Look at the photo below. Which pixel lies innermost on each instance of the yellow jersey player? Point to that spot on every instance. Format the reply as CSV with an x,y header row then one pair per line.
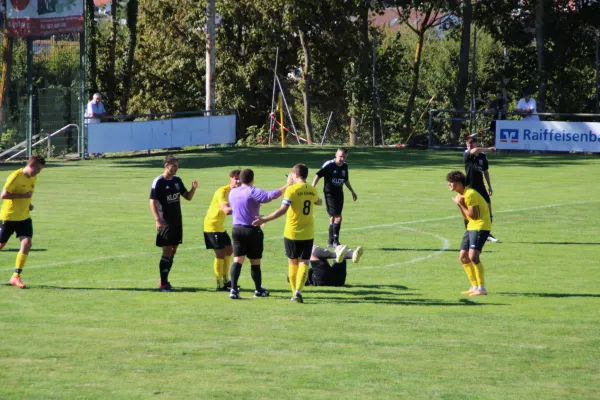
x,y
14,214
299,200
476,211
215,235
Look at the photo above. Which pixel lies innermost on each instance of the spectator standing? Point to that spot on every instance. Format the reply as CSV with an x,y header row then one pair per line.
x,y
527,106
94,113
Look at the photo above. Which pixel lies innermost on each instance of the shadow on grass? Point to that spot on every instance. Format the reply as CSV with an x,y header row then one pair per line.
x,y
175,290
17,250
412,249
309,298
565,243
555,295
399,287
314,157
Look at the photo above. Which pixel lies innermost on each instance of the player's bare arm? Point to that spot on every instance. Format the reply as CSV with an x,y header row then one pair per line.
x,y
160,225
486,174
319,202
274,215
190,195
354,196
10,196
225,208
478,150
315,181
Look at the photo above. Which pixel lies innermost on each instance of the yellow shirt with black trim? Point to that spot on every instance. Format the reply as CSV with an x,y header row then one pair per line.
x,y
17,209
300,221
484,222
215,217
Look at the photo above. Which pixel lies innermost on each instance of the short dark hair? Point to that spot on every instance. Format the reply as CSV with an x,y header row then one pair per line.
x,y
235,172
300,169
36,159
472,139
246,176
343,150
170,160
456,176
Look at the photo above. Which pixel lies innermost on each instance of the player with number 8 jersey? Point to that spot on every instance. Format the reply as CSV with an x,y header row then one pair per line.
x,y
298,203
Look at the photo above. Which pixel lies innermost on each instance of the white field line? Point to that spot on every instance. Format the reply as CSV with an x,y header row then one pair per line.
x,y
395,224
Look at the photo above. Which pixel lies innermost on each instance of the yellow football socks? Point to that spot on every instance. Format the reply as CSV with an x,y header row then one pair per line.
x,y
301,277
226,265
470,270
479,274
219,266
19,264
292,273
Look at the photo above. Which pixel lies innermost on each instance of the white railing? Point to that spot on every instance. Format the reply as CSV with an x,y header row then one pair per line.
x,y
49,140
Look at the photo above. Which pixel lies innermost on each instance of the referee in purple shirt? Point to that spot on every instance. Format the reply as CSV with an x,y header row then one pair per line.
x,y
248,240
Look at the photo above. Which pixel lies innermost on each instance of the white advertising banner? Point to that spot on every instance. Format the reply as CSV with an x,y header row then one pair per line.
x,y
44,17
548,136
109,137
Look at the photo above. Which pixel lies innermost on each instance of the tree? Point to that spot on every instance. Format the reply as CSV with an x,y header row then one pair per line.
x,y
463,67
132,17
539,44
92,47
427,15
112,50
7,50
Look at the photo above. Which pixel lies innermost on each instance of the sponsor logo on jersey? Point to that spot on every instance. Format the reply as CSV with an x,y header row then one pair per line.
x,y
171,198
338,181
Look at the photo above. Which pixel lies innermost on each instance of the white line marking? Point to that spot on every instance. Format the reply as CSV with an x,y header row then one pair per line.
x,y
445,246
131,255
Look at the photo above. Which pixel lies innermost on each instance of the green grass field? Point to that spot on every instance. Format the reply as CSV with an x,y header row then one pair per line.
x,y
93,325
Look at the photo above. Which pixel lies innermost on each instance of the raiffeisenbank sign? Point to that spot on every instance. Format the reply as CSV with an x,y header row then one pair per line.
x,y
548,136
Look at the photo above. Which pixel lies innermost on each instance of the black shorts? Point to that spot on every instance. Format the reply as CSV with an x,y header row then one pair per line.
x,y
247,241
321,274
300,249
172,235
484,193
334,204
474,240
21,228
217,240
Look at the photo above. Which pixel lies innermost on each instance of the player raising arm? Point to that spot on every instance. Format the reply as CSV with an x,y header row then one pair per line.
x,y
298,236
166,190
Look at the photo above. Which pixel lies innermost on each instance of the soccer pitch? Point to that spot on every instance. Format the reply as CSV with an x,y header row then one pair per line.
x,y
93,325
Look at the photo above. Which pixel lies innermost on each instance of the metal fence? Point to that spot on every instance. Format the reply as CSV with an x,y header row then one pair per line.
x,y
56,100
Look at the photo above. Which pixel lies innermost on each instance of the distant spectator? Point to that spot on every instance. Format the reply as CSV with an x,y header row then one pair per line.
x,y
498,108
94,113
527,107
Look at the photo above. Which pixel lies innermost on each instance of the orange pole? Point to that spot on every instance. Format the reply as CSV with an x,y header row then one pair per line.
x,y
281,122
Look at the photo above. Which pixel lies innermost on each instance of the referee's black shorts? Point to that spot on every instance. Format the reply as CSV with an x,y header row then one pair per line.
x,y
334,203
247,241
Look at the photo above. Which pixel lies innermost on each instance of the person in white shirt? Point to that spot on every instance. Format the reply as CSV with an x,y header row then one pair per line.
x,y
95,110
94,113
527,107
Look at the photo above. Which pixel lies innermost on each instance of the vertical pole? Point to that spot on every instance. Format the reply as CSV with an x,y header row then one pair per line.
x,y
373,83
281,122
29,94
597,73
82,98
429,130
210,57
271,115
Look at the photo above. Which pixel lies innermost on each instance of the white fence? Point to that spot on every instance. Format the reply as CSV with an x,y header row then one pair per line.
x,y
160,134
